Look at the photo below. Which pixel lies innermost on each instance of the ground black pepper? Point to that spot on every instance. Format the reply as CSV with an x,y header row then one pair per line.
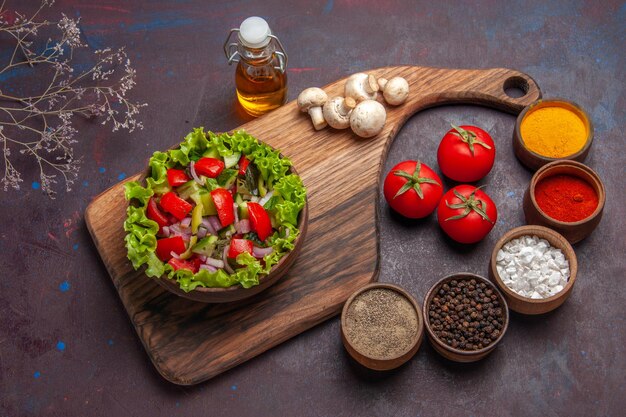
x,y
466,314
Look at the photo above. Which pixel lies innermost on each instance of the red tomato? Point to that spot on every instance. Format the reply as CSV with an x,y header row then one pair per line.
x,y
183,264
259,220
225,206
166,246
238,246
176,177
412,189
175,205
466,153
243,165
209,167
153,213
467,214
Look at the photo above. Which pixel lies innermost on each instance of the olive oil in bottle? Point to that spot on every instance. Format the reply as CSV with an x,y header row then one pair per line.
x,y
260,77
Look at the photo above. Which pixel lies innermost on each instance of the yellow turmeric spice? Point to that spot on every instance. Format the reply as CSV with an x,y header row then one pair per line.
x,y
553,131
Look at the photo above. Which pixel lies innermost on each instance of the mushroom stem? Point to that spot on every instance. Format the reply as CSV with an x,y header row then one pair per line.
x,y
361,86
317,117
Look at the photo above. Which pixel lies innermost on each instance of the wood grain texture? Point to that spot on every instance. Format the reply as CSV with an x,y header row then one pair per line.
x,y
190,342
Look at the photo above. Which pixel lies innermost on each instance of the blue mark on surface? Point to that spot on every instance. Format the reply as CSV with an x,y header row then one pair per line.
x,y
102,170
85,183
177,403
328,7
170,73
75,246
36,375
60,346
110,342
510,194
121,176
122,25
583,353
233,387
15,72
36,185
64,286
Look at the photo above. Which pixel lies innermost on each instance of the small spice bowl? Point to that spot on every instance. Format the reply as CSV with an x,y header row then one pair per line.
x,y
526,305
457,354
534,160
572,231
381,326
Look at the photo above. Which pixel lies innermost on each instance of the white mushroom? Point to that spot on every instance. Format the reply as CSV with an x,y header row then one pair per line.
x,y
361,87
368,118
311,100
337,112
395,90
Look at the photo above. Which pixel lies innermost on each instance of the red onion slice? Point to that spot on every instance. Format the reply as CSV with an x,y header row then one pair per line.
x,y
165,230
267,197
227,267
201,232
194,175
202,258
175,255
186,222
215,222
214,262
236,212
243,226
209,226
208,268
258,252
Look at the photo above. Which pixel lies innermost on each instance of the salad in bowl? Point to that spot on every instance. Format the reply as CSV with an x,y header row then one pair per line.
x,y
219,212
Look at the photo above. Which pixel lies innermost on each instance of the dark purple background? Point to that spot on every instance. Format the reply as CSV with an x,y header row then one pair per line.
x,y
67,347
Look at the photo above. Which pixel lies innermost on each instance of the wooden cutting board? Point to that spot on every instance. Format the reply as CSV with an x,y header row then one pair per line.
x,y
190,342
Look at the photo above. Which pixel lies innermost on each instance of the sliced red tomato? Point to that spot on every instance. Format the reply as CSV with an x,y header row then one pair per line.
x,y
209,167
238,246
259,220
183,264
243,165
224,203
166,246
176,177
153,213
175,205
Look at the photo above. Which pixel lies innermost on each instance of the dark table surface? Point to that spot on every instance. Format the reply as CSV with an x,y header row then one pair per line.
x,y
67,347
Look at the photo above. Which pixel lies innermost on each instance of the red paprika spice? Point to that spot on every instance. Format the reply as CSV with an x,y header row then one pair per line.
x,y
566,198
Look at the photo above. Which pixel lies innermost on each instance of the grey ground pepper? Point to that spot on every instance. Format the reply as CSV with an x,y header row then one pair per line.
x,y
381,323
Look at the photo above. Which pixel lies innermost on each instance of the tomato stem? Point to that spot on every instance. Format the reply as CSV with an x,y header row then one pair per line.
x,y
468,137
413,181
469,203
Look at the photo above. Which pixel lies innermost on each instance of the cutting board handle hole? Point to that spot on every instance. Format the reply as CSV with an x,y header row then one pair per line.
x,y
516,87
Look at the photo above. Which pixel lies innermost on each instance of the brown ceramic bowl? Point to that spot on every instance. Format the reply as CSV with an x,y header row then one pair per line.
x,y
572,231
380,364
530,306
237,292
533,160
454,354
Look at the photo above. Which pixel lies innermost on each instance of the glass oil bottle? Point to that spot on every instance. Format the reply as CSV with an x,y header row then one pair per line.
x,y
260,77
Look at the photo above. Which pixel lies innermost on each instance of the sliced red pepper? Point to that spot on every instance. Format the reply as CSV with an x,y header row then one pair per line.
x,y
224,203
183,264
175,205
209,167
166,246
238,246
243,165
153,213
259,220
176,177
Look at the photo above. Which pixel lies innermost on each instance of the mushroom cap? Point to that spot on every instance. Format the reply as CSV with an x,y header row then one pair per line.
x,y
396,91
361,86
368,118
337,112
311,97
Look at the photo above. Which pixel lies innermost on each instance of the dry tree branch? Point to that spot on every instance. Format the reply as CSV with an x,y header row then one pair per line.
x,y
39,126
